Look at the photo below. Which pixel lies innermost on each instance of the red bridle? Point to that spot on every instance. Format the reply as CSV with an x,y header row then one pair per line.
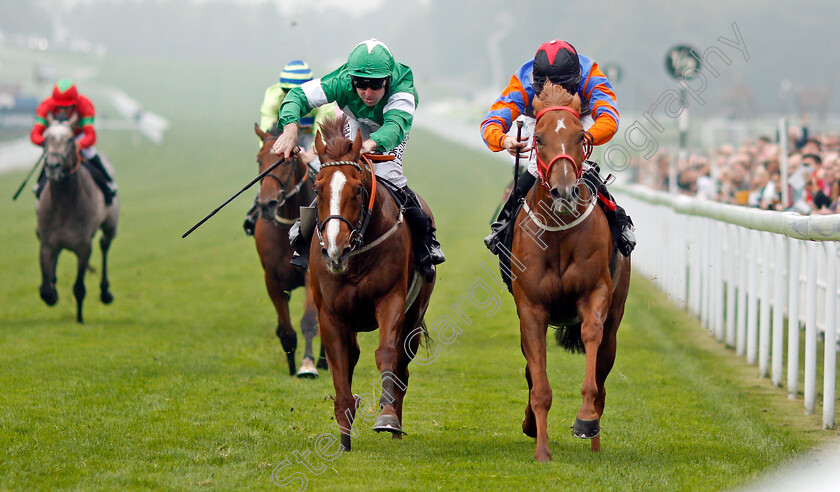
x,y
543,168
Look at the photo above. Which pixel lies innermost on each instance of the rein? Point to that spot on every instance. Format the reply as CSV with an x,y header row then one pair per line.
x,y
544,168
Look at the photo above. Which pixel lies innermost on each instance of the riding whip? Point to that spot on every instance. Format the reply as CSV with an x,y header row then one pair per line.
x,y
516,159
29,175
259,177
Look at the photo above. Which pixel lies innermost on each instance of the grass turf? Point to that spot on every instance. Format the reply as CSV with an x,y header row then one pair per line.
x,y
182,384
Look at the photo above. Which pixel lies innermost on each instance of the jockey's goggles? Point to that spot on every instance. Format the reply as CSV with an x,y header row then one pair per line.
x,y
363,83
565,82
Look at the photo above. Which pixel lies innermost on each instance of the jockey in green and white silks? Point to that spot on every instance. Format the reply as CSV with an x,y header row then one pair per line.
x,y
377,95
387,123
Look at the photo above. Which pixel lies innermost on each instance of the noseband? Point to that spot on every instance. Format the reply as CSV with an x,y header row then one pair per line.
x,y
542,168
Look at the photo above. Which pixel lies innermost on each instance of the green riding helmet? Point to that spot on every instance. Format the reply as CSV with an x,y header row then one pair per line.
x,y
370,59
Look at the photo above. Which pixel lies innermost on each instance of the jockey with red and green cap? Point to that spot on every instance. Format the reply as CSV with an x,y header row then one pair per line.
x,y
377,95
64,102
558,62
295,73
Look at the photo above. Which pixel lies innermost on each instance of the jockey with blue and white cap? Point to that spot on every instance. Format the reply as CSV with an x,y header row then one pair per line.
x,y
377,95
295,73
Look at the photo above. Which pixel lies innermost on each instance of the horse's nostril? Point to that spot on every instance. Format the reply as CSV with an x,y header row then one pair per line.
x,y
555,193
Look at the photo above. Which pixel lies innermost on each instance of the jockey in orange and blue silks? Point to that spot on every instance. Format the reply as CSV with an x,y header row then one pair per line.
x,y
558,62
595,91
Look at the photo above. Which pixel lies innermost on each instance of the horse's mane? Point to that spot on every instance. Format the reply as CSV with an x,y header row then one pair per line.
x,y
555,95
336,144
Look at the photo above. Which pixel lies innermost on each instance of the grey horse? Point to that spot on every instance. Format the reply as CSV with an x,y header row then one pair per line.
x,y
70,211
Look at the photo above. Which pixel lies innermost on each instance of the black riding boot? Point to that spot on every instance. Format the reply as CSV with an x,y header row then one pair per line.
x,y
103,178
620,222
498,228
250,224
426,245
300,235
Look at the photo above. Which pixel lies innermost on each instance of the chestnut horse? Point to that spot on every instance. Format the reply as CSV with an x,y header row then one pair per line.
x,y
563,247
70,210
282,193
363,278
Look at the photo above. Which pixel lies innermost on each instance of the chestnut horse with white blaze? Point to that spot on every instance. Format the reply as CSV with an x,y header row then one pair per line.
x,y
363,277
564,246
282,192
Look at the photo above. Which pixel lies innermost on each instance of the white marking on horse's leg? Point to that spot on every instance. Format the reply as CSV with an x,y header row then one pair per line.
x,y
560,124
336,185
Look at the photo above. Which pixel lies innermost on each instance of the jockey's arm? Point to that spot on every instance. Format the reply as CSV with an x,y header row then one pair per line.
x,y
507,107
37,133
597,90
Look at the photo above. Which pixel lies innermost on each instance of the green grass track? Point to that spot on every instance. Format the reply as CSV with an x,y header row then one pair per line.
x,y
181,382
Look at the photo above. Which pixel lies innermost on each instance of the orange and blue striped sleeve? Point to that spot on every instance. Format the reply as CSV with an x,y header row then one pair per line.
x,y
597,90
512,102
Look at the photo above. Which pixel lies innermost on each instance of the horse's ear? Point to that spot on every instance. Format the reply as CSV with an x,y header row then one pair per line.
x,y
320,147
357,143
259,132
50,119
73,119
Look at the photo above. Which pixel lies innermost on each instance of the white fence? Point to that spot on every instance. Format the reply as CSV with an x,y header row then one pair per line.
x,y
748,275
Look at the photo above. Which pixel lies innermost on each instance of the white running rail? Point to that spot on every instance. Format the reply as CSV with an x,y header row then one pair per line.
x,y
746,273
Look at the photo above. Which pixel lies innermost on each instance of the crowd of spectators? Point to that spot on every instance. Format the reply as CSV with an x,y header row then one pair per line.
x,y
749,174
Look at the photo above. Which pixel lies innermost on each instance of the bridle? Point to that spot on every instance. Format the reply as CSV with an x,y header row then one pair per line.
x,y
285,193
357,230
62,157
542,168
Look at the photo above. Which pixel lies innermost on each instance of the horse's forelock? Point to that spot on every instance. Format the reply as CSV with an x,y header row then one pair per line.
x,y
337,146
555,95
59,130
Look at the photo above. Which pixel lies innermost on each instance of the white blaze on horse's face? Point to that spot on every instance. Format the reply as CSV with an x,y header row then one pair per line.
x,y
561,125
336,186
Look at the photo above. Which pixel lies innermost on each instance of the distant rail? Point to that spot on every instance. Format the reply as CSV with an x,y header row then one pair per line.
x,y
750,276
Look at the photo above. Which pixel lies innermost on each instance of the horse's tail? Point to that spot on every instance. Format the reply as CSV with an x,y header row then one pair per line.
x,y
568,337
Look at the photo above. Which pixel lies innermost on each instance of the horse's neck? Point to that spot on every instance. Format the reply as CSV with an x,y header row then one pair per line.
x,y
71,188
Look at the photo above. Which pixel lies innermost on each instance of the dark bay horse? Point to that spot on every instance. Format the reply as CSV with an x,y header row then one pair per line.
x,y
282,193
563,246
363,278
70,210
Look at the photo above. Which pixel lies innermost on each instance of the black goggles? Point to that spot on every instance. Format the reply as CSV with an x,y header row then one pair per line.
x,y
539,83
365,83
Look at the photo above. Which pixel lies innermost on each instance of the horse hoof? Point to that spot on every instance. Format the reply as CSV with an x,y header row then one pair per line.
x,y
388,423
543,456
322,364
106,297
49,297
307,370
345,442
586,429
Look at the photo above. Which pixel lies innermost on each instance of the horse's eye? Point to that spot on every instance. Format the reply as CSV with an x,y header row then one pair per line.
x,y
359,191
537,139
582,134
